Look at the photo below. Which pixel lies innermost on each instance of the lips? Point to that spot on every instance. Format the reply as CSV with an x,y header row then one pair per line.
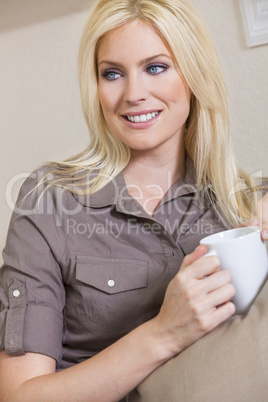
x,y
141,120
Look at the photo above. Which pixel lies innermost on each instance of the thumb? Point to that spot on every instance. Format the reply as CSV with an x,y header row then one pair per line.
x,y
191,258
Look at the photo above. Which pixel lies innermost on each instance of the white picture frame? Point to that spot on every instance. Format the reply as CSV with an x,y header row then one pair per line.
x,y
255,21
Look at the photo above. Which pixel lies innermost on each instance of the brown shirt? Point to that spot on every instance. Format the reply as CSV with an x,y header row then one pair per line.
x,y
80,272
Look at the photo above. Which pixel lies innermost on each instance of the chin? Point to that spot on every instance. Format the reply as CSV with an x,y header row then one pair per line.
x,y
145,147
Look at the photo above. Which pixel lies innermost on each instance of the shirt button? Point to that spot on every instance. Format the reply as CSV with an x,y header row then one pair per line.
x,y
111,283
173,254
16,293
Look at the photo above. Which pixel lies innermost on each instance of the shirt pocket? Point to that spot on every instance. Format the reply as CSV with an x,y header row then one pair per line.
x,y
111,275
108,295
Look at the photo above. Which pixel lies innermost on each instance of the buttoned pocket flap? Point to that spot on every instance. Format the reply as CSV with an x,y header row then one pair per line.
x,y
112,275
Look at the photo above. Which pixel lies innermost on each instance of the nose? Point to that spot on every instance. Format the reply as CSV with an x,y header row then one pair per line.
x,y
135,90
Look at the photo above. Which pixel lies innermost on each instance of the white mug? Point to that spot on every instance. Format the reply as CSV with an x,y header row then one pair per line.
x,y
243,253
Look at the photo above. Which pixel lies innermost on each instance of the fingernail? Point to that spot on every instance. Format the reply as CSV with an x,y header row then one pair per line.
x,y
264,234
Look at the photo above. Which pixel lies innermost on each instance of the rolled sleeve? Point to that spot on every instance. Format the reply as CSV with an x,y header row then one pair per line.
x,y
32,294
43,331
15,319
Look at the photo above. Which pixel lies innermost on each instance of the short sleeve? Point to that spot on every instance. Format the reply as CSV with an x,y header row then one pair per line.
x,y
32,294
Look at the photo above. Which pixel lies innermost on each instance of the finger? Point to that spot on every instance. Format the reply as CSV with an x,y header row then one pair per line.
x,y
216,280
263,216
220,296
221,314
264,233
204,267
195,255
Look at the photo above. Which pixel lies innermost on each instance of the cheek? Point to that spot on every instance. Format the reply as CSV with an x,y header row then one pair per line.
x,y
109,96
104,100
109,102
180,100
174,92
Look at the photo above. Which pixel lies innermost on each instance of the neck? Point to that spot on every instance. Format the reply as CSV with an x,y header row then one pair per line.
x,y
147,169
148,177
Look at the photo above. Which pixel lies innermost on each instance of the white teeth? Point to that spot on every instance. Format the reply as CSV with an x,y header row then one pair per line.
x,y
142,118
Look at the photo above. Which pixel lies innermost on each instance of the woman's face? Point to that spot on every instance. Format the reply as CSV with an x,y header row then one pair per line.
x,y
144,98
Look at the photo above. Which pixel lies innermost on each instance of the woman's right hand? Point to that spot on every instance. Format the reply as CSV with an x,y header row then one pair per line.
x,y
196,301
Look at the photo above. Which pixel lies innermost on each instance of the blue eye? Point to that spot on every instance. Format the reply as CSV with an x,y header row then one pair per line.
x,y
155,69
110,75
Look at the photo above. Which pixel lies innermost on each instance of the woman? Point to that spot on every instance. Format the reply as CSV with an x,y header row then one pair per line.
x,y
97,290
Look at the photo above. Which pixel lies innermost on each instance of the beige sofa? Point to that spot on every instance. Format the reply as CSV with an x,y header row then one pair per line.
x,y
230,364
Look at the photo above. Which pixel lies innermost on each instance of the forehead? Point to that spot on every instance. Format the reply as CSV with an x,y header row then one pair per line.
x,y
136,38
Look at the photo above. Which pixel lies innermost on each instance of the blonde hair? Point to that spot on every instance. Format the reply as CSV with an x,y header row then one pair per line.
x,y
207,138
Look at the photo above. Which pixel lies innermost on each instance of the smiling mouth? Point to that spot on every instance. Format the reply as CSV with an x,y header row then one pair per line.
x,y
141,118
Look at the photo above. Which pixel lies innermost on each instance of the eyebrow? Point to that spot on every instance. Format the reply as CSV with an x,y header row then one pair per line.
x,y
144,61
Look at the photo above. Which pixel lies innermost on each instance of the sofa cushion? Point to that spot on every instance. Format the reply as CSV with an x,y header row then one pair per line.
x,y
228,364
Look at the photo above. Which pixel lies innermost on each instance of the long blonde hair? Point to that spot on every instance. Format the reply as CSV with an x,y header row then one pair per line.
x,y
207,139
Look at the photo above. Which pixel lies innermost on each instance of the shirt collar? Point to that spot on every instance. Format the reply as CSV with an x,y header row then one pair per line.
x,y
185,185
115,191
